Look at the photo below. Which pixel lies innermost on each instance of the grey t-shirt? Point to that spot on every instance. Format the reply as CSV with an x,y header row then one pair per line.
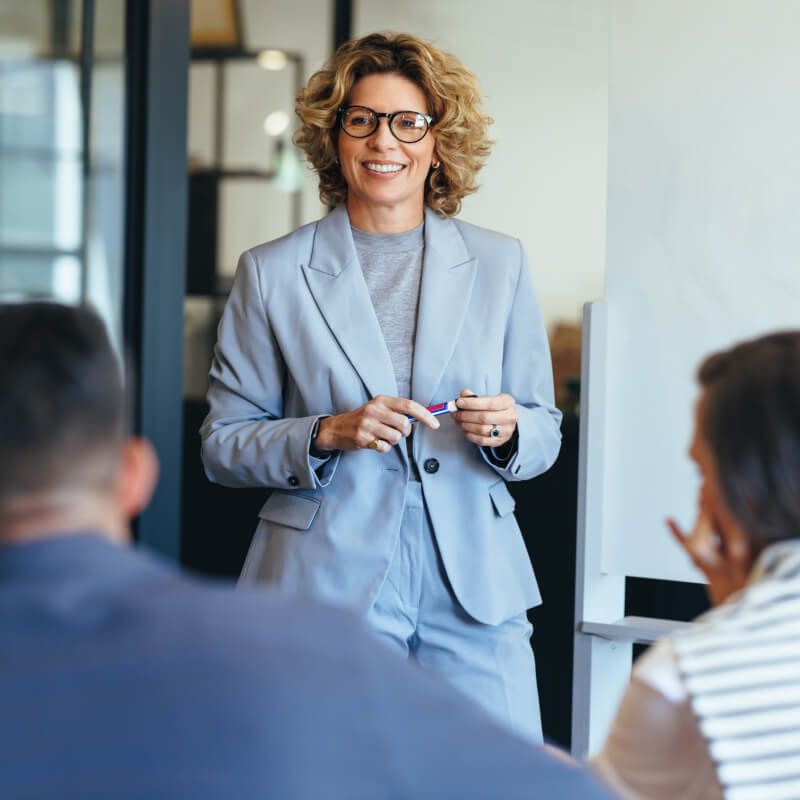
x,y
392,267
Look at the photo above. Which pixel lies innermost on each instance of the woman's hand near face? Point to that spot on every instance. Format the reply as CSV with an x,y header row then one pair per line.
x,y
379,424
724,558
477,416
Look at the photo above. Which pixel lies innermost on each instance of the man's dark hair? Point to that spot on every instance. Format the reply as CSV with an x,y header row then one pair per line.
x,y
62,411
751,423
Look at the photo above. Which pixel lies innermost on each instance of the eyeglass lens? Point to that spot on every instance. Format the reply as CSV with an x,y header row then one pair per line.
x,y
407,126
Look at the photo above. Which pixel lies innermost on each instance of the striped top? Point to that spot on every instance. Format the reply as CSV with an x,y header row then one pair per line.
x,y
740,664
713,711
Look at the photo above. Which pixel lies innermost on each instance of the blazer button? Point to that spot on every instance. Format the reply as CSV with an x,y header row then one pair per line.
x,y
293,481
431,466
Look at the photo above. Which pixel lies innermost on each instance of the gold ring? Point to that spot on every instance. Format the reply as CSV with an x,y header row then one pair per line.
x,y
375,444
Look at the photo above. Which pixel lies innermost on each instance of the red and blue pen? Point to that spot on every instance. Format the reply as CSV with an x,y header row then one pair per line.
x,y
441,408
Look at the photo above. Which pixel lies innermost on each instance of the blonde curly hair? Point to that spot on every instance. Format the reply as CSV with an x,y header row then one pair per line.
x,y
454,100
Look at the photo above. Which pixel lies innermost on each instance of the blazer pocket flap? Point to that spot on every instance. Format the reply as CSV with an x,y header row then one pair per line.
x,y
502,500
291,510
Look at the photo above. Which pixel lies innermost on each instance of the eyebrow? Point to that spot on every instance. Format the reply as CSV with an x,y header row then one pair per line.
x,y
385,113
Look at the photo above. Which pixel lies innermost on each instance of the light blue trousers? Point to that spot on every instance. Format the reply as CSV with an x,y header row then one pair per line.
x,y
417,612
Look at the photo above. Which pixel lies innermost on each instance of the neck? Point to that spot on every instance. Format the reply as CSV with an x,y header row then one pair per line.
x,y
59,514
384,219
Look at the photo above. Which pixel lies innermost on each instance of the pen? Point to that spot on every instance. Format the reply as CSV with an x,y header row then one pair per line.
x,y
440,408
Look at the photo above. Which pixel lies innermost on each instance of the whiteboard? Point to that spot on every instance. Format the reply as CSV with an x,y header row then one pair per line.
x,y
703,239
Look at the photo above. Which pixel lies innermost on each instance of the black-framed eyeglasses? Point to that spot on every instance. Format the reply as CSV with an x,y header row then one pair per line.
x,y
406,126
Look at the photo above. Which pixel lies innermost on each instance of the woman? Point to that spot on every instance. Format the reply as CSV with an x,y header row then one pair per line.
x,y
328,334
715,711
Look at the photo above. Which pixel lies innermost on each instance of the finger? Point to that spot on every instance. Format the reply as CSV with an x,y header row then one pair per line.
x,y
417,411
497,402
705,535
676,531
684,540
484,430
738,550
395,421
394,411
483,441
379,446
486,417
704,545
467,398
388,434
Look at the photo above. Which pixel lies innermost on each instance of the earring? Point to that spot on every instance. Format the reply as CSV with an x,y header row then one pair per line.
x,y
435,165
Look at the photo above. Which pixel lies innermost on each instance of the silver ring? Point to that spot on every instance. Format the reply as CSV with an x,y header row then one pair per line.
x,y
495,431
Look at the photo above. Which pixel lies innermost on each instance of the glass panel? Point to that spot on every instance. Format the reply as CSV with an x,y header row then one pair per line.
x,y
202,87
61,237
251,211
252,94
39,276
201,316
105,225
40,159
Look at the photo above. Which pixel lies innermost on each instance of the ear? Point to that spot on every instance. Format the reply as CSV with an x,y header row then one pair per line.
x,y
138,474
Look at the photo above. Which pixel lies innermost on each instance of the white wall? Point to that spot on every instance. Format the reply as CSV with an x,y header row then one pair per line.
x,y
543,68
703,238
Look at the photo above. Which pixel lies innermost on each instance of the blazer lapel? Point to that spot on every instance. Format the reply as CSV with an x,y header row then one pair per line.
x,y
335,280
448,272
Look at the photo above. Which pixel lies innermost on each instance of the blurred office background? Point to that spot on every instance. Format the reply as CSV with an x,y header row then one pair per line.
x,y
62,96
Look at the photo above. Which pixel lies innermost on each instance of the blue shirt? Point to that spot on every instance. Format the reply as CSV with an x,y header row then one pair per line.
x,y
121,678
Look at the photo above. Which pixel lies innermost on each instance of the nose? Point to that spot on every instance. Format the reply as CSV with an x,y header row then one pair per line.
x,y
382,138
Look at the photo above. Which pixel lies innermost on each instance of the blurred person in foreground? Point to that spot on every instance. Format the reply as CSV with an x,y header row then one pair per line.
x,y
121,678
714,711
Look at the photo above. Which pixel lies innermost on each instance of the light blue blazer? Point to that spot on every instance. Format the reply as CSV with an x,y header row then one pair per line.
x,y
299,338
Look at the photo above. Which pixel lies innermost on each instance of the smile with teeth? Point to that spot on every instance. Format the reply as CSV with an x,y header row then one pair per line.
x,y
372,166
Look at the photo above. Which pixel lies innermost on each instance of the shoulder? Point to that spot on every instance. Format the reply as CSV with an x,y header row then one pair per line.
x,y
658,668
272,268
216,610
156,595
485,241
292,247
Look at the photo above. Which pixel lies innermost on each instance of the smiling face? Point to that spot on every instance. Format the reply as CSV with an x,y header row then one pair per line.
x,y
386,177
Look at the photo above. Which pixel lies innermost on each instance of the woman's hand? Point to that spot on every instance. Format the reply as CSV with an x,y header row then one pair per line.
x,y
379,424
479,416
723,558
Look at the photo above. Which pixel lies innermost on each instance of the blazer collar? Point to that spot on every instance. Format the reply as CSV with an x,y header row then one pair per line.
x,y
448,273
333,249
337,283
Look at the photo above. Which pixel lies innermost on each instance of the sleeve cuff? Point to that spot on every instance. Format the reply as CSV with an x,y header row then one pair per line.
x,y
501,456
314,452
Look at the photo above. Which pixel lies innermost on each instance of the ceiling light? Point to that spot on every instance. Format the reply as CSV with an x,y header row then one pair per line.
x,y
276,123
272,59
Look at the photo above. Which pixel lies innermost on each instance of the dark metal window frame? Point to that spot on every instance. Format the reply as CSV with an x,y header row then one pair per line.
x,y
157,69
